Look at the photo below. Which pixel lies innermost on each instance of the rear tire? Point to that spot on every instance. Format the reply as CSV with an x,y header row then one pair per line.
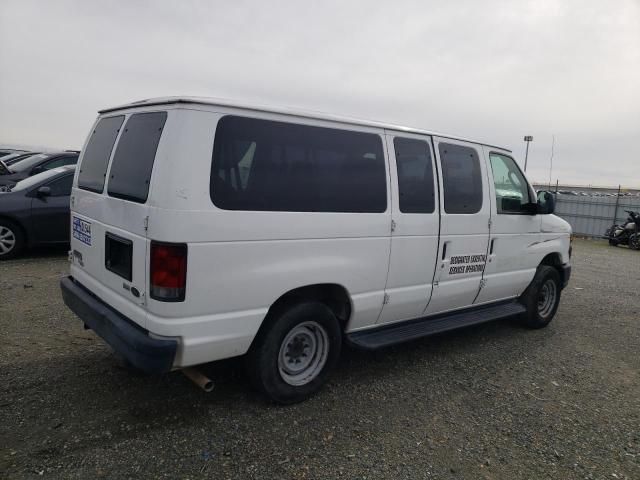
x,y
12,240
541,298
294,352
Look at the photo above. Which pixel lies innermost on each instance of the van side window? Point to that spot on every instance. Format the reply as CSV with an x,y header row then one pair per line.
x,y
263,165
97,153
415,175
512,190
130,173
461,178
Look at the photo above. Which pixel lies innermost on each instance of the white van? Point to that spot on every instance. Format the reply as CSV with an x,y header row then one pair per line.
x,y
206,229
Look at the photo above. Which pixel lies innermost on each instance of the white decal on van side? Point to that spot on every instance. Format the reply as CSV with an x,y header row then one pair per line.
x,y
467,264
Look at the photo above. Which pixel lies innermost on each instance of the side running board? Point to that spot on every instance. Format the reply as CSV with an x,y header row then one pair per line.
x,y
393,334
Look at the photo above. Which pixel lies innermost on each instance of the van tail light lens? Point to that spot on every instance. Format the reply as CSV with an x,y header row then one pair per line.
x,y
168,271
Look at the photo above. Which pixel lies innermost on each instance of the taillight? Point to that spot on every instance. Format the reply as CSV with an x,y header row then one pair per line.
x,y
168,271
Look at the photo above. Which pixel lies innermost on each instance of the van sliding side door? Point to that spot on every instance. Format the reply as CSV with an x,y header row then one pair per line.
x,y
414,236
464,225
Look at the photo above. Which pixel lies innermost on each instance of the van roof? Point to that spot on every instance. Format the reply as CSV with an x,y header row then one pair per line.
x,y
285,111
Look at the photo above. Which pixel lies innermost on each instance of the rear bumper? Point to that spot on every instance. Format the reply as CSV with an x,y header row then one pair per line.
x,y
566,274
128,339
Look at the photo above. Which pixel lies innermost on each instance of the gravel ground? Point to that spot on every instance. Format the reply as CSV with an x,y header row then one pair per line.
x,y
493,401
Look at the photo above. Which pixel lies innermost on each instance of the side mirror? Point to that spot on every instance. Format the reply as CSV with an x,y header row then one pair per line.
x,y
36,170
44,191
546,203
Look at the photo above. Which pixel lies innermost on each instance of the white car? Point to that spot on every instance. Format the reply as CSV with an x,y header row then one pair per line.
x,y
205,229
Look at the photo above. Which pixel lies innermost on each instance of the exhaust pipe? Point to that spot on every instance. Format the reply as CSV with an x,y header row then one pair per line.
x,y
204,382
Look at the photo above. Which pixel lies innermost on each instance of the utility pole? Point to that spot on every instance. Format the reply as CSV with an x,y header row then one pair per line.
x,y
553,143
528,139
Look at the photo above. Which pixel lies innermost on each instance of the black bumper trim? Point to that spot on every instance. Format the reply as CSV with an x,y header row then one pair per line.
x,y
128,339
566,275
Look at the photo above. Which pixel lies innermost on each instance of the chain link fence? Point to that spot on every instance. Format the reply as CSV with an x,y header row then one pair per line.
x,y
592,215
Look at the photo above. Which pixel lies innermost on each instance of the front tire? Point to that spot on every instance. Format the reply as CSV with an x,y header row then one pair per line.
x,y
294,352
11,240
634,241
542,297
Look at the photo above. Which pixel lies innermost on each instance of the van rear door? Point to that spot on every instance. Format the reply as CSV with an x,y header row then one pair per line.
x,y
109,209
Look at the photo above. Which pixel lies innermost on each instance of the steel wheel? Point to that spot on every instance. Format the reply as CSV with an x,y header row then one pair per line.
x,y
7,240
547,298
303,353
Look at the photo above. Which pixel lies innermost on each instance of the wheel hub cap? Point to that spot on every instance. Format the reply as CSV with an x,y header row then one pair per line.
x,y
547,298
303,353
7,240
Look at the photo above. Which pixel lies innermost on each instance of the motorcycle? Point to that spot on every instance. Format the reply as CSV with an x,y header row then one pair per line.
x,y
627,233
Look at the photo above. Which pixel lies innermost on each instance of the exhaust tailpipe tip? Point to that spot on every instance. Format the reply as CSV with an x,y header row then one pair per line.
x,y
202,381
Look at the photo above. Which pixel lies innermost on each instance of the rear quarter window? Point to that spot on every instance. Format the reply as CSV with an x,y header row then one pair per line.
x,y
264,165
93,168
130,173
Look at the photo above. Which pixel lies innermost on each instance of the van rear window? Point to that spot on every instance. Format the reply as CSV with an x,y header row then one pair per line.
x,y
263,165
132,164
93,168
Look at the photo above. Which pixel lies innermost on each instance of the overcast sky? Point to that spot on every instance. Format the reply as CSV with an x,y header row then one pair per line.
x,y
492,70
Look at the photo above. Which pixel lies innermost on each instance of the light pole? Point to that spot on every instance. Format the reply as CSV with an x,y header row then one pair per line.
x,y
528,139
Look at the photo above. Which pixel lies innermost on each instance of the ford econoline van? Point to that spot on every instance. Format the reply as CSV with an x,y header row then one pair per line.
x,y
205,229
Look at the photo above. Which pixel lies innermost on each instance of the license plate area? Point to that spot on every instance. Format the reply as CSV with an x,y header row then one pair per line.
x,y
117,255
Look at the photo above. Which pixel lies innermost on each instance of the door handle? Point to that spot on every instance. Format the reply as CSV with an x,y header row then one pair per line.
x,y
491,249
444,250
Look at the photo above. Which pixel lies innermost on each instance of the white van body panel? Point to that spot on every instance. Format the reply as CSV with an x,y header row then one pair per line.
x,y
390,264
239,262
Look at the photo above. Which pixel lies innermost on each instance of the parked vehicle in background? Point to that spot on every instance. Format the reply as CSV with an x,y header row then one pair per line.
x,y
14,157
224,229
626,233
17,157
38,163
4,152
35,211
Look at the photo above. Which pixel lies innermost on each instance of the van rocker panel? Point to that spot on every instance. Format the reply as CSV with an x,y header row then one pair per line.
x,y
148,354
372,339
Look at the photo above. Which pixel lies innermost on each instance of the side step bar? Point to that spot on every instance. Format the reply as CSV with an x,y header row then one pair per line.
x,y
393,334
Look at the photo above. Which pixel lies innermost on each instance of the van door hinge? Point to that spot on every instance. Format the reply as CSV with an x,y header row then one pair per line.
x,y
146,223
393,226
385,299
483,282
489,223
